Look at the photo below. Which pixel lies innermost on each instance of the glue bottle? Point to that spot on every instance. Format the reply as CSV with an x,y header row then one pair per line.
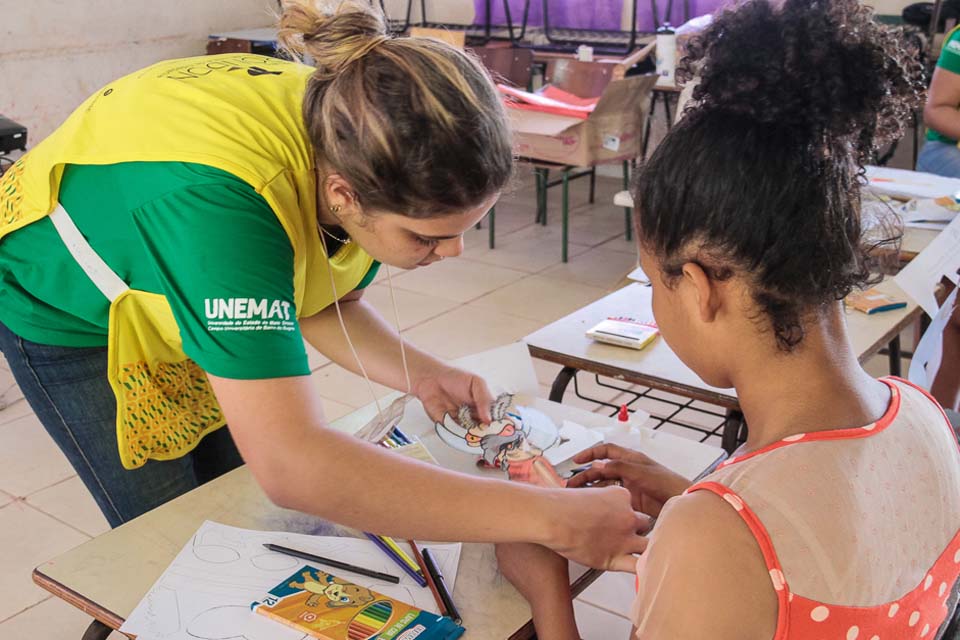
x,y
666,56
625,432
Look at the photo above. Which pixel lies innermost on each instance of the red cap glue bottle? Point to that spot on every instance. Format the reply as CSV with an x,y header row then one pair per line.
x,y
625,433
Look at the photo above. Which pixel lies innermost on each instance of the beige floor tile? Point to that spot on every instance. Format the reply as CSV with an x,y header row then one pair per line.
x,y
541,299
52,619
620,244
29,460
594,225
28,538
413,307
571,399
458,279
546,371
15,411
334,409
468,330
5,498
598,624
71,503
531,249
345,388
595,267
9,391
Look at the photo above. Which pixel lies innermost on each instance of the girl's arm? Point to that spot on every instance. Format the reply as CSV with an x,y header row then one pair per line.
x,y
543,578
942,111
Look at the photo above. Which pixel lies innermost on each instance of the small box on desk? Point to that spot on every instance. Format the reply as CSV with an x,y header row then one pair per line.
x,y
612,132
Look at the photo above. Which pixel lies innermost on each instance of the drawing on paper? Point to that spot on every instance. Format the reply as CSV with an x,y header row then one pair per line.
x,y
513,441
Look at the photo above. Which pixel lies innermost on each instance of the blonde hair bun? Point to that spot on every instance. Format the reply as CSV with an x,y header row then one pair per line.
x,y
334,38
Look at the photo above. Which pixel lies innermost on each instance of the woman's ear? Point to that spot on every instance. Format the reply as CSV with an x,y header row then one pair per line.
x,y
703,291
339,193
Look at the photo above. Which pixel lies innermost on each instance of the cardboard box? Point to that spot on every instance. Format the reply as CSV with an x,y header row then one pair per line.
x,y
613,132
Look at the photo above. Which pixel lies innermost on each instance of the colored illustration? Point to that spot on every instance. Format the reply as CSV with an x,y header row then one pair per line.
x,y
513,441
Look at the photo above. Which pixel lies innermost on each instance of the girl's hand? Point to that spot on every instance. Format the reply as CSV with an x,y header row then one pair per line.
x,y
446,390
650,483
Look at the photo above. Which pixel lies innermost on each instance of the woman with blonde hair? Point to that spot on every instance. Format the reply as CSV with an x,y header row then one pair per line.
x,y
164,253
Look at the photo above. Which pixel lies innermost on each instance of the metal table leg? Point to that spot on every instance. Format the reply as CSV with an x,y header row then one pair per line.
x,y
894,354
560,383
734,431
97,631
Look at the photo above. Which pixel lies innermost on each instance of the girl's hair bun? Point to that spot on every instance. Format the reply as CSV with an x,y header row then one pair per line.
x,y
818,67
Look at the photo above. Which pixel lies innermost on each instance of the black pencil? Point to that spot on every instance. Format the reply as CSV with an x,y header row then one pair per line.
x,y
434,569
370,573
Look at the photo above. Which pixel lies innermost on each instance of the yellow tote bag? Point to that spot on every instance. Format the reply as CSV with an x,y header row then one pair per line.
x,y
165,404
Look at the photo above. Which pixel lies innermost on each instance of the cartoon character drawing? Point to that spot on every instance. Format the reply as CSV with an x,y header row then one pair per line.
x,y
335,591
504,443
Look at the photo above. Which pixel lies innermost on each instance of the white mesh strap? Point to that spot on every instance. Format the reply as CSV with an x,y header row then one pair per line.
x,y
93,265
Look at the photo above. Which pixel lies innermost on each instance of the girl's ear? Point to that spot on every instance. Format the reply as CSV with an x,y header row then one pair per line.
x,y
703,289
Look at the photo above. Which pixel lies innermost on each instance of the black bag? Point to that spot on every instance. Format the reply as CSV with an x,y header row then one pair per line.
x,y
921,13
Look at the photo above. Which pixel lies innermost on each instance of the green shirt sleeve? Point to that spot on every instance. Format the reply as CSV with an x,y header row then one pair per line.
x,y
226,266
950,54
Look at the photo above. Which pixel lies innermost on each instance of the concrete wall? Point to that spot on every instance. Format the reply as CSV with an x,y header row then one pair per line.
x,y
54,53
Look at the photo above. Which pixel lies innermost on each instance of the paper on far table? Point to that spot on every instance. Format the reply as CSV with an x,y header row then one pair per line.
x,y
205,593
909,184
941,258
927,356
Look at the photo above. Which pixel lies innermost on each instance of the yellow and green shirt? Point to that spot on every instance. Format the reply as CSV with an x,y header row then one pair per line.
x,y
193,233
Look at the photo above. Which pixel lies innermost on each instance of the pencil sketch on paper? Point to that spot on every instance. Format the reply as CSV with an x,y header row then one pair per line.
x,y
514,440
206,592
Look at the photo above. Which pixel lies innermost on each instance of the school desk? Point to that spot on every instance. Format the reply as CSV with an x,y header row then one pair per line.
x,y
564,342
107,576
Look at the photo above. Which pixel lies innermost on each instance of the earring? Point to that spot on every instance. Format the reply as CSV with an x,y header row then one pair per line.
x,y
335,209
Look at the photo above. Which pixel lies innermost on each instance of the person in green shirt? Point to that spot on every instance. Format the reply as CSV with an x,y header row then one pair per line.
x,y
941,113
411,148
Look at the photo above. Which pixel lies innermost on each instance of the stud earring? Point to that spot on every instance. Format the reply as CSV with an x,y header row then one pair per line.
x,y
335,209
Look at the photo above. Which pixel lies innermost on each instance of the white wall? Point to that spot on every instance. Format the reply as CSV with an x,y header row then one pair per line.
x,y
54,53
889,7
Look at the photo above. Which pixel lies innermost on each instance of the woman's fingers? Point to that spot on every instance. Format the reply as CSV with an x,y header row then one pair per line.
x,y
603,452
596,473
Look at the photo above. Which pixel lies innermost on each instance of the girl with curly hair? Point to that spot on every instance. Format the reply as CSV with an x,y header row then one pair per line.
x,y
840,515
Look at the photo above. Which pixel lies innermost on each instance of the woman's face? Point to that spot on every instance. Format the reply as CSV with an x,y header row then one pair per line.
x,y
408,243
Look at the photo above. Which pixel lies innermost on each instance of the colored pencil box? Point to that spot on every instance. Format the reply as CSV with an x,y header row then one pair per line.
x,y
331,608
873,301
624,332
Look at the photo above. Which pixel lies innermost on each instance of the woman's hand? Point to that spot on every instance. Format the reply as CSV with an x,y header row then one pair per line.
x,y
650,483
597,527
445,390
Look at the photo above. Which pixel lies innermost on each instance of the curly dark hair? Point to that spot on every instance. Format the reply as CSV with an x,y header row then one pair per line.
x,y
762,175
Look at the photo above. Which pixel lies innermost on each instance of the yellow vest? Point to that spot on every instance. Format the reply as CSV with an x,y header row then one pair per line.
x,y
237,112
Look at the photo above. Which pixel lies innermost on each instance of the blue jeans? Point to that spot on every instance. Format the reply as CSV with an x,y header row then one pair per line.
x,y
940,158
68,389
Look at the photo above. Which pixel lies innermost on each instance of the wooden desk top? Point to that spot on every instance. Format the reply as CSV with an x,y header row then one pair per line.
x,y
565,342
108,576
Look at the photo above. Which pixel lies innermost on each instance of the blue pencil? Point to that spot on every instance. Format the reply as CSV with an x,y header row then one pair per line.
x,y
401,436
419,579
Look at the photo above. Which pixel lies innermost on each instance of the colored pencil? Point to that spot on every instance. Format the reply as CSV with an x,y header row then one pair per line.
x,y
429,578
370,573
401,436
419,579
400,552
434,570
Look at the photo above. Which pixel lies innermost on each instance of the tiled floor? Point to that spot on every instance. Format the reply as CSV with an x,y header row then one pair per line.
x,y
484,299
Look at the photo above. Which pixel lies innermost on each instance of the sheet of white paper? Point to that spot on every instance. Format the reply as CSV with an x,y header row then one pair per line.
x,y
926,210
638,275
206,591
933,226
574,438
941,258
929,352
909,184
